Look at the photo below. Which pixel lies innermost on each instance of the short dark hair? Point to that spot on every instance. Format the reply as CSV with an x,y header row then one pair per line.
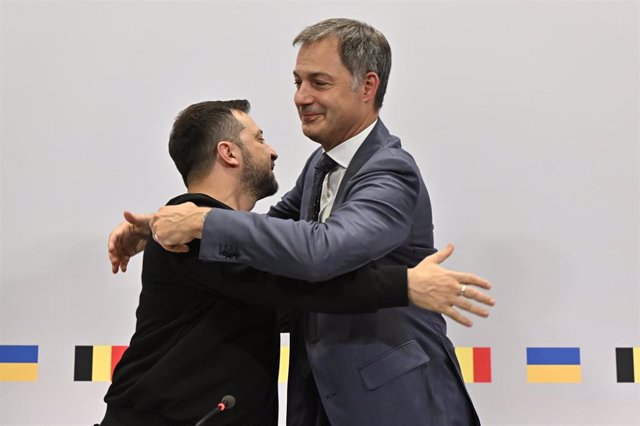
x,y
197,131
362,48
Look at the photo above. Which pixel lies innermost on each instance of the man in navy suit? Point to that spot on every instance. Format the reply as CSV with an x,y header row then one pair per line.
x,y
393,367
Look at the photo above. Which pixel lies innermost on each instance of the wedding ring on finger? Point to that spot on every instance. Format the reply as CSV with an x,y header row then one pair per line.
x,y
462,289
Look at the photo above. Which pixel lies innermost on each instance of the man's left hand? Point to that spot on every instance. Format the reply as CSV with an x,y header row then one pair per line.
x,y
440,290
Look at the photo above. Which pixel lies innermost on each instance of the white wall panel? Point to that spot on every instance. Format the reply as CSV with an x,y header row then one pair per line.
x,y
522,115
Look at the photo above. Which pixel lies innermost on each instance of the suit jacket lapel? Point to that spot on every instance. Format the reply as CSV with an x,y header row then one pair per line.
x,y
308,181
371,144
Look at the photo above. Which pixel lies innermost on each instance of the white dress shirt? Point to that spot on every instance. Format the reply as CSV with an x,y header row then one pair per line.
x,y
342,154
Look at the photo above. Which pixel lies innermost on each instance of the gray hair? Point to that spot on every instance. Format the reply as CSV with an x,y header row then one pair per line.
x,y
362,48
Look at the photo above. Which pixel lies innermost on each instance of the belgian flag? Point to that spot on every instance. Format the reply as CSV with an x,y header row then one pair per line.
x,y
475,364
628,365
96,363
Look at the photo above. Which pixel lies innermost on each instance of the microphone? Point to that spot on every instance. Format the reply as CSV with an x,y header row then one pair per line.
x,y
226,403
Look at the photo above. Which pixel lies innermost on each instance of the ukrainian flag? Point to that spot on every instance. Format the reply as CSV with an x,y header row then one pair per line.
x,y
553,365
18,363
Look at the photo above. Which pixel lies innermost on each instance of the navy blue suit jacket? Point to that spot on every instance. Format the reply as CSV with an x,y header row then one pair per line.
x,y
393,367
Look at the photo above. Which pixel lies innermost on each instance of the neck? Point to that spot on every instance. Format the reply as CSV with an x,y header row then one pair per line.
x,y
356,129
225,190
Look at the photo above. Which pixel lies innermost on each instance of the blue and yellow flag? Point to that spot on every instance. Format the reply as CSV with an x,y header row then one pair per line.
x,y
553,365
18,363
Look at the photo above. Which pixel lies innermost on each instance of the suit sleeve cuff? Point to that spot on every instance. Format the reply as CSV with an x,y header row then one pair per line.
x,y
207,247
393,286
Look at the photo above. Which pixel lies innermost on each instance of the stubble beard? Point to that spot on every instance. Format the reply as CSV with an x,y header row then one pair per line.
x,y
261,183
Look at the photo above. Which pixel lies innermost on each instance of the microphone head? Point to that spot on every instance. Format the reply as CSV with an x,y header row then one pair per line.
x,y
229,401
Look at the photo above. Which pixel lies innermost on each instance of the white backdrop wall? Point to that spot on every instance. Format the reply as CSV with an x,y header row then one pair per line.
x,y
522,115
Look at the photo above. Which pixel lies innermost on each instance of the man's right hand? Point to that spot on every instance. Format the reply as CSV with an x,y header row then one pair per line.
x,y
128,239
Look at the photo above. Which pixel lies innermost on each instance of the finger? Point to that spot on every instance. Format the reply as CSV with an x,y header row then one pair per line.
x,y
132,218
478,296
140,222
471,279
465,304
115,261
441,255
181,248
176,248
124,263
129,216
458,317
113,238
165,240
116,235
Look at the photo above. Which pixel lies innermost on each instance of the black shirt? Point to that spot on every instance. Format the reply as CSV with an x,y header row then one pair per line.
x,y
205,330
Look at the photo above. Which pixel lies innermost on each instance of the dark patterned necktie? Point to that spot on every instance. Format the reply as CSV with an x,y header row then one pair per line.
x,y
324,166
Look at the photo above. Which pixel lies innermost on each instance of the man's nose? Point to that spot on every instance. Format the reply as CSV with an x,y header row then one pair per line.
x,y
274,154
302,96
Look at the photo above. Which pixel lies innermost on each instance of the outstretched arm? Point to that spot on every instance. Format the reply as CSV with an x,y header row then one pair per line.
x,y
427,286
376,219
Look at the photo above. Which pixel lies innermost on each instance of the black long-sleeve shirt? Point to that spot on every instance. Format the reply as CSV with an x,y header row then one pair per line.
x,y
205,330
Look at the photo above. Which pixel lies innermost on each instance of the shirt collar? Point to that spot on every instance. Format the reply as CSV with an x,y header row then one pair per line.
x,y
344,152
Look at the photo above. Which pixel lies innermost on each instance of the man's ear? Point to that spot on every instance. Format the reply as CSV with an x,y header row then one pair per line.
x,y
370,85
229,153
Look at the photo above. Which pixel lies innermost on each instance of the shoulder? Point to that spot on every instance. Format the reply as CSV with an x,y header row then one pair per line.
x,y
388,147
391,155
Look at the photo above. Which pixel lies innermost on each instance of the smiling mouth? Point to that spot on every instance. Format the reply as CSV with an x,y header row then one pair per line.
x,y
310,116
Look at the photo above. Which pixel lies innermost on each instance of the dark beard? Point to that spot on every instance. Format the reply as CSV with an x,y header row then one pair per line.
x,y
261,183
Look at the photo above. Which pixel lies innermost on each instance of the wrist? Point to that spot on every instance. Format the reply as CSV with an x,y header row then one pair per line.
x,y
410,281
199,217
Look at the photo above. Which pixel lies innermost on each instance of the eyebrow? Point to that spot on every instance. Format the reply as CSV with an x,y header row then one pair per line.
x,y
315,74
259,132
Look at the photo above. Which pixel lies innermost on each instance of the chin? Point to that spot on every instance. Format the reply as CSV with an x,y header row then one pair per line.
x,y
314,136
